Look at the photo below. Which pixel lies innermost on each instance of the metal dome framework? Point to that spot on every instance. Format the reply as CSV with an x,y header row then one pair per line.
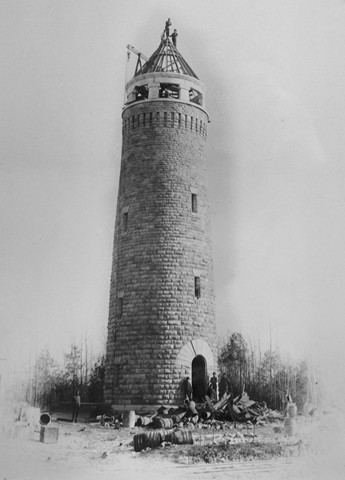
x,y
165,59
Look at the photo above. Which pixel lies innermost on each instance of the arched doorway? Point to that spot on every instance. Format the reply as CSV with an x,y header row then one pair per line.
x,y
199,378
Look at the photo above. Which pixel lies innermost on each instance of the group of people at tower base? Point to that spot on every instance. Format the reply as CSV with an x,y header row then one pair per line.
x,y
213,393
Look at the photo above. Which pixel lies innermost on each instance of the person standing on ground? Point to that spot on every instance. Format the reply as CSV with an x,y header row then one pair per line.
x,y
214,383
76,407
211,394
188,389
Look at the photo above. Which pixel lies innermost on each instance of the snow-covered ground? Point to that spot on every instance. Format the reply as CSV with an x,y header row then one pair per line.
x,y
86,451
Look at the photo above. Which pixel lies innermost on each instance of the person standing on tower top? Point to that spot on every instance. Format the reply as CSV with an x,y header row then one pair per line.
x,y
167,28
174,36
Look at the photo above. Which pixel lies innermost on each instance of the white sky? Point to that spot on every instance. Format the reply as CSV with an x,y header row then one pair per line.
x,y
275,75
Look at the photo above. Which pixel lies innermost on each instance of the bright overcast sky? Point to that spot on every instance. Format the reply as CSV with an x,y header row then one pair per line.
x,y
275,77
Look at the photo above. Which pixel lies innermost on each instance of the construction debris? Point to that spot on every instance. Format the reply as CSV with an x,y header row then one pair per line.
x,y
172,426
228,409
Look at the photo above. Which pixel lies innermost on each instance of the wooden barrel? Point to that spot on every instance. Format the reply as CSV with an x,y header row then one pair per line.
x,y
168,422
147,440
154,439
140,441
143,421
182,437
163,422
157,422
168,437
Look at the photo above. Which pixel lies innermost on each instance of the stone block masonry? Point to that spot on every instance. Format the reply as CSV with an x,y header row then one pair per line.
x,y
161,245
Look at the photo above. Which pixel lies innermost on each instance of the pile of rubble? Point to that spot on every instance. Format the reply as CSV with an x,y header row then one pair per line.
x,y
172,426
228,409
238,410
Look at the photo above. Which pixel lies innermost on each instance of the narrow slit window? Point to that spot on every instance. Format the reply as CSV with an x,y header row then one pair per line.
x,y
197,287
194,203
165,118
125,221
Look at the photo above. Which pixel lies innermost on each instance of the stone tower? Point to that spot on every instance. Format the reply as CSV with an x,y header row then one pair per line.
x,y
161,317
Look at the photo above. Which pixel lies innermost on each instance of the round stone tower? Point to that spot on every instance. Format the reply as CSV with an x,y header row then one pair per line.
x,y
161,318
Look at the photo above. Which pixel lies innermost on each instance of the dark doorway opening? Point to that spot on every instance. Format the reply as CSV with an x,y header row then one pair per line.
x,y
199,378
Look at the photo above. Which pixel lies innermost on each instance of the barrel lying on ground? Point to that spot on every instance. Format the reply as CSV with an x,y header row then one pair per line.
x,y
155,439
163,422
143,421
147,440
182,437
